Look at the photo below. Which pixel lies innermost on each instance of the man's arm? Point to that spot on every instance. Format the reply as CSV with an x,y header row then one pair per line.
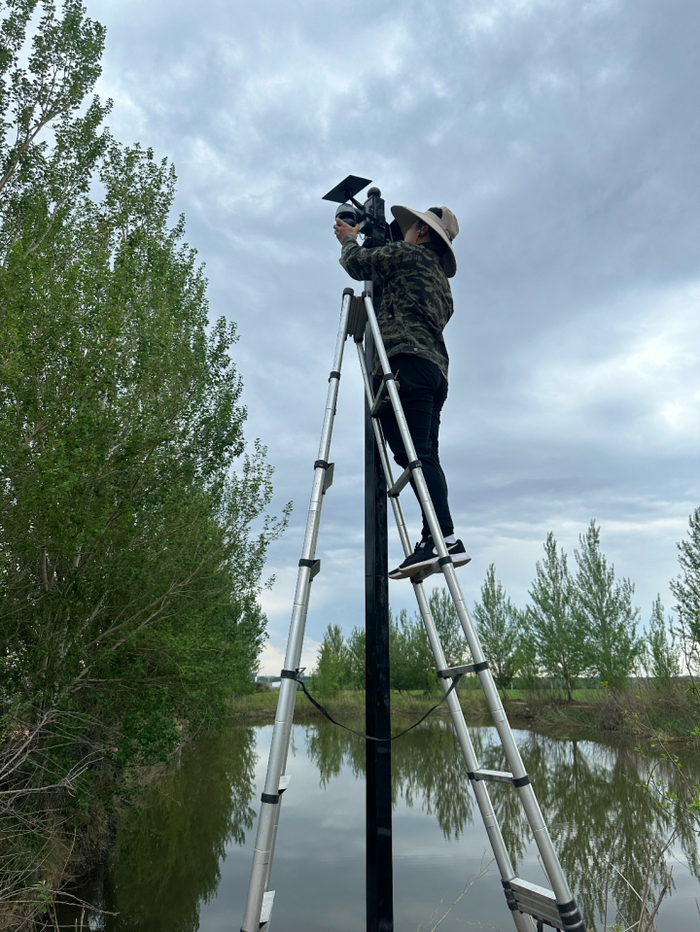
x,y
364,264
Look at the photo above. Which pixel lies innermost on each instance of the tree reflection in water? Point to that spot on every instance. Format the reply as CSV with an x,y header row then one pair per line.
x,y
606,827
175,841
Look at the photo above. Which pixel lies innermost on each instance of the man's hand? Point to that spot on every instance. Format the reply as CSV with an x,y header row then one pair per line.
x,y
342,229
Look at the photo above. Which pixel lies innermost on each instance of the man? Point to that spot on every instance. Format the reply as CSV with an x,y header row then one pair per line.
x,y
415,308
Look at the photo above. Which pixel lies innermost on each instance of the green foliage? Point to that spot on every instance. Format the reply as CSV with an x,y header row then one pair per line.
x,y
341,662
499,627
332,671
355,646
129,568
411,659
448,627
686,590
603,606
561,645
662,654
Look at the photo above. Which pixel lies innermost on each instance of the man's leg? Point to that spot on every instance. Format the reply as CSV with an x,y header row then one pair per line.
x,y
423,390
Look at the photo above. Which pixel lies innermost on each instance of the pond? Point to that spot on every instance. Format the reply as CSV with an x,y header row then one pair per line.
x,y
182,862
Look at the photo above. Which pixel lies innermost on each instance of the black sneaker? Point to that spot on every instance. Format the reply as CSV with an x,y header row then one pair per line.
x,y
425,555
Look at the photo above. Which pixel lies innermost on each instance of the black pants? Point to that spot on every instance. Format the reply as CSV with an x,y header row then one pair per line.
x,y
423,390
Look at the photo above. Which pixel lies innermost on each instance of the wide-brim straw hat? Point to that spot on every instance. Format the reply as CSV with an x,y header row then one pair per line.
x,y
440,219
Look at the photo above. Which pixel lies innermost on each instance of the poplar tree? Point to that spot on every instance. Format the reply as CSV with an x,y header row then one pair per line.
x,y
686,590
602,607
562,644
662,654
129,565
448,627
499,628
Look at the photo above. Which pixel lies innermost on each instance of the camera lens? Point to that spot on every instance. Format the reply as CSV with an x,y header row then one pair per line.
x,y
348,214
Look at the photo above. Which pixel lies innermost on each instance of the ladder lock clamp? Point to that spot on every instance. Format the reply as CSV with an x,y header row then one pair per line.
x,y
521,781
334,374
272,798
415,464
484,665
566,907
288,674
443,561
324,464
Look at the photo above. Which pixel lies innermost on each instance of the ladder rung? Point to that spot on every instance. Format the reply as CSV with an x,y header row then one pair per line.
x,y
266,911
455,671
380,399
537,901
400,483
494,776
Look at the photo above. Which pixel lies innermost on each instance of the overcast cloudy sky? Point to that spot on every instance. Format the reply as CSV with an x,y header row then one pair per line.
x,y
565,135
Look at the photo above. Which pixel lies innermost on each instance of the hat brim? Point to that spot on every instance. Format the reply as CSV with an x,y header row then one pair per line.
x,y
405,217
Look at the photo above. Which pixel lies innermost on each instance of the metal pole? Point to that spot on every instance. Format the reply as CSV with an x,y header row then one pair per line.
x,y
380,880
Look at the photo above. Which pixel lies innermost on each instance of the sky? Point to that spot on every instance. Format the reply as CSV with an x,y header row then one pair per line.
x,y
566,138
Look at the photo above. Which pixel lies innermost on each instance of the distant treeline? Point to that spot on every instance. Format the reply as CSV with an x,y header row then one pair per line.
x,y
129,570
579,628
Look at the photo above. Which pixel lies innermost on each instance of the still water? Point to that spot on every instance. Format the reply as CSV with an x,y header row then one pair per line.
x,y
181,863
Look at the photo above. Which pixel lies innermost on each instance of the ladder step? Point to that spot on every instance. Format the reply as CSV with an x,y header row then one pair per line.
x,y
266,911
494,776
537,901
400,483
425,572
467,668
381,398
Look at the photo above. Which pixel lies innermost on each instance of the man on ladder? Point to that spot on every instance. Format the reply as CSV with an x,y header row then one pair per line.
x,y
416,306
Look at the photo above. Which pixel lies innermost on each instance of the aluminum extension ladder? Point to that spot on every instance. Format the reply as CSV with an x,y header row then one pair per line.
x,y
531,905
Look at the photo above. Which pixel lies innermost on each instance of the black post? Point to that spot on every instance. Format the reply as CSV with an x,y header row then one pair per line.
x,y
380,880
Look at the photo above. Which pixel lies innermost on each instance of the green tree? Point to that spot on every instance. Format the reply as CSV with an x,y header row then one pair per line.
x,y
129,565
686,590
662,655
448,627
603,607
561,643
356,647
411,659
333,669
498,625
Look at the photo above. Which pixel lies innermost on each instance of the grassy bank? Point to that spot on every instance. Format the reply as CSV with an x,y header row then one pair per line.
x,y
639,711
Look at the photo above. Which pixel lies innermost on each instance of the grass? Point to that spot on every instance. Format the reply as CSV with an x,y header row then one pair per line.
x,y
640,710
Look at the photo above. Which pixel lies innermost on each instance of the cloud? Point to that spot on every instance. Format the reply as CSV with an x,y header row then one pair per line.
x,y
565,138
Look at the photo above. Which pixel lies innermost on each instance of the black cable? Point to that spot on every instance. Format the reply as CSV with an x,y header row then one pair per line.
x,y
361,734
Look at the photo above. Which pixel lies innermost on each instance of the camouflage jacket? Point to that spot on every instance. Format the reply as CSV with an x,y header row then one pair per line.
x,y
416,299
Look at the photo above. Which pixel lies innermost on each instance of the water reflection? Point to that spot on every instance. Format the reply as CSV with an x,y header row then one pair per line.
x,y
607,828
168,857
